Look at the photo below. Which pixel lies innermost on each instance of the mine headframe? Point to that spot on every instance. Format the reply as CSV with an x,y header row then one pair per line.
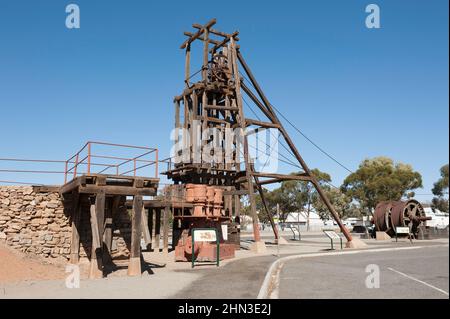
x,y
213,105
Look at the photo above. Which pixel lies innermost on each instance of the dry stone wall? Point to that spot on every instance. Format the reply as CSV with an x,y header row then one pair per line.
x,y
34,222
38,223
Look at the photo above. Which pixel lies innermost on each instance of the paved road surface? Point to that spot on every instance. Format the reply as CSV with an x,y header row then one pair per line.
x,y
345,276
243,278
238,280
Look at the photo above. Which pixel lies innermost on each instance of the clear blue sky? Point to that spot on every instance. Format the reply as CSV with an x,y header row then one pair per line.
x,y
356,92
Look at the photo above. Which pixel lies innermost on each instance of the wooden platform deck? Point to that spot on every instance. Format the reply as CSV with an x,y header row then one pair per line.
x,y
112,185
162,204
105,193
203,174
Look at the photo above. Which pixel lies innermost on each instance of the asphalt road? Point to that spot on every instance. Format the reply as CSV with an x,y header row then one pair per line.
x,y
310,277
405,274
240,279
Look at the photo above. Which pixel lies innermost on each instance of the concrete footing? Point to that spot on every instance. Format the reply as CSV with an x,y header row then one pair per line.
x,y
381,235
281,241
258,247
94,271
356,243
134,268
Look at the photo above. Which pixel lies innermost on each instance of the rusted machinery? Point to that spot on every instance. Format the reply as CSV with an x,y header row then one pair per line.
x,y
207,211
391,214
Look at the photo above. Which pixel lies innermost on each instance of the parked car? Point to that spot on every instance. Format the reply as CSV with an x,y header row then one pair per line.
x,y
360,229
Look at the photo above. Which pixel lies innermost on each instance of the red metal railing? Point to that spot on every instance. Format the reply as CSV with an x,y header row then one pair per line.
x,y
111,164
167,161
92,158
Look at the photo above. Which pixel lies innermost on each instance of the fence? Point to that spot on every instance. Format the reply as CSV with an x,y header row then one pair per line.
x,y
92,158
110,164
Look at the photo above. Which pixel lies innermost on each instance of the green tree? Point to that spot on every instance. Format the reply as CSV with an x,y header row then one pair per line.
x,y
440,188
341,202
262,214
296,196
308,193
277,196
380,179
291,196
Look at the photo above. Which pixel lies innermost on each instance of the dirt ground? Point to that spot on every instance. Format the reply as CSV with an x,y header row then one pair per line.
x,y
16,267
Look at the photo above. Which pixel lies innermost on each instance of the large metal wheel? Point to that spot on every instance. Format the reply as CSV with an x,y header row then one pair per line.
x,y
391,214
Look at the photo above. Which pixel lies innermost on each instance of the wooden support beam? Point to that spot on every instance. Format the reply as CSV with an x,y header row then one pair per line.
x,y
190,34
205,54
76,215
115,206
166,230
150,227
237,206
100,180
216,32
97,219
118,190
157,229
94,229
193,167
187,66
204,123
249,122
214,120
278,180
115,213
266,208
221,108
236,192
186,134
299,177
177,129
134,266
108,232
115,185
191,39
46,188
198,33
255,100
145,228
72,185
256,233
225,41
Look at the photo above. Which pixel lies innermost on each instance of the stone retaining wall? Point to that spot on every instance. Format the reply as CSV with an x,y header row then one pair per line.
x,y
38,223
34,222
